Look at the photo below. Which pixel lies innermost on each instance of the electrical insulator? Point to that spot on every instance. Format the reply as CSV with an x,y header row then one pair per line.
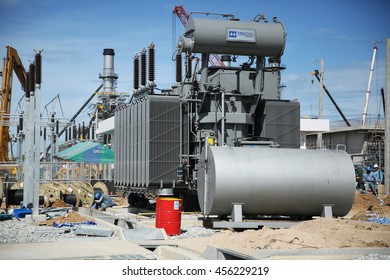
x,y
21,123
151,62
189,67
27,85
83,130
57,127
136,71
32,77
38,70
74,131
143,67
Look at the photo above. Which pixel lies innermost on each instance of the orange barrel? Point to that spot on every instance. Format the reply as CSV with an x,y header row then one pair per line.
x,y
168,214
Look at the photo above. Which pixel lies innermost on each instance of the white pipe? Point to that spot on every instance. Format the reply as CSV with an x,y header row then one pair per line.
x,y
369,86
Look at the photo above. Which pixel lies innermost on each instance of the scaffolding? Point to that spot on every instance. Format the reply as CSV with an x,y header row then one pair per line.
x,y
374,148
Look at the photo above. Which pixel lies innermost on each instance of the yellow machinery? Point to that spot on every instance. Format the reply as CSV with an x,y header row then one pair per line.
x,y
11,63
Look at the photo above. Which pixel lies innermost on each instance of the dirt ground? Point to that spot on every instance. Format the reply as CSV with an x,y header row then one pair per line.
x,y
353,230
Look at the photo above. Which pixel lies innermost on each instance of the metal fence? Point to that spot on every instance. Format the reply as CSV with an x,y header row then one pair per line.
x,y
12,172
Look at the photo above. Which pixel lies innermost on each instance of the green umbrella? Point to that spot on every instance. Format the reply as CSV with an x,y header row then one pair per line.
x,y
88,152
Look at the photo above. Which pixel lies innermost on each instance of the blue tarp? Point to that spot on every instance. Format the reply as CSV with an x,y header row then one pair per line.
x,y
69,224
382,221
88,152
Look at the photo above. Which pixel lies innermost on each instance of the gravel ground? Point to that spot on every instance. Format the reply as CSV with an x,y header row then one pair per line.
x,y
18,231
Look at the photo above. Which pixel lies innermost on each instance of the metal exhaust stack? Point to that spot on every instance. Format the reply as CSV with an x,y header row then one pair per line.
x,y
109,76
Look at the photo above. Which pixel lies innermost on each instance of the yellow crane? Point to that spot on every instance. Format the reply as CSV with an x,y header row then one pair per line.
x,y
12,63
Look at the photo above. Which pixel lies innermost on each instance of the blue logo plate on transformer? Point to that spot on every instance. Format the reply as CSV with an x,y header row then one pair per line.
x,y
241,35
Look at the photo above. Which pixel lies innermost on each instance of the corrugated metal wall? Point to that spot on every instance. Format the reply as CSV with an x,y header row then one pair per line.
x,y
147,141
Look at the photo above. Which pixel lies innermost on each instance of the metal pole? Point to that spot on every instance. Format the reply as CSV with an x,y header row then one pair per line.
x,y
320,101
387,120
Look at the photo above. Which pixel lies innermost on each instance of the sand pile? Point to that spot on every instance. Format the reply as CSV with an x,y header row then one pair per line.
x,y
72,217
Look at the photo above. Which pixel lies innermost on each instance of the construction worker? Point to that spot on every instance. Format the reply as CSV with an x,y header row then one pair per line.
x,y
369,181
378,174
102,201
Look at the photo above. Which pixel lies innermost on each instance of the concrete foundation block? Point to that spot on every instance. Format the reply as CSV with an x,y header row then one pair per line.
x,y
35,218
93,231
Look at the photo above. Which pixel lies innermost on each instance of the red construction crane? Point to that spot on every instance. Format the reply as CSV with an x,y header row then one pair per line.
x,y
183,16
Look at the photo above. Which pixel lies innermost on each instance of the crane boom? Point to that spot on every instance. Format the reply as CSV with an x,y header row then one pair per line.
x,y
368,91
183,16
12,63
316,74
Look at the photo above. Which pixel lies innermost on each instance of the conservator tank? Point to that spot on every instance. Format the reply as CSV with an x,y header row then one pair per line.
x,y
271,181
233,37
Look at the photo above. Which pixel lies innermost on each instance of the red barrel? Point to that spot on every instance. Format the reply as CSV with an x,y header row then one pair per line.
x,y
168,214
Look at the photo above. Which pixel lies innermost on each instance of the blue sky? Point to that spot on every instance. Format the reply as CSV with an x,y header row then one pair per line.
x,y
74,33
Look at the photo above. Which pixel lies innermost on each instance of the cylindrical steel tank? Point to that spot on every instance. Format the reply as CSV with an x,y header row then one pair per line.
x,y
233,37
271,181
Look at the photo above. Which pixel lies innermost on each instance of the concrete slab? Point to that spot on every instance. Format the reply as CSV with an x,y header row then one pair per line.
x,y
75,250
93,230
35,218
176,253
144,234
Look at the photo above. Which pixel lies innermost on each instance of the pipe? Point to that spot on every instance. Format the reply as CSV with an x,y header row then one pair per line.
x,y
383,101
204,71
178,68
